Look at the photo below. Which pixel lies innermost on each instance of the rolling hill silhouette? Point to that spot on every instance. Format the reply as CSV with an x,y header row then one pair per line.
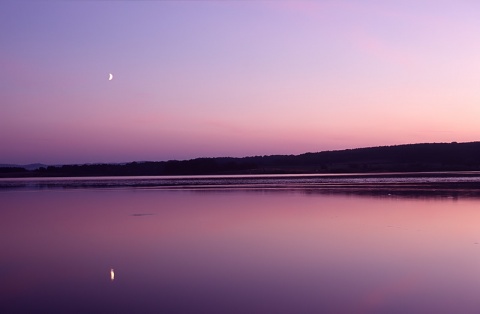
x,y
399,158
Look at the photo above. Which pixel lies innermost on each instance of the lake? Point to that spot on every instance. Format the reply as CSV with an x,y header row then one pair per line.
x,y
279,245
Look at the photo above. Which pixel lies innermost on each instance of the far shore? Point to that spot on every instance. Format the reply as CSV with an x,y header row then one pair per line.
x,y
412,184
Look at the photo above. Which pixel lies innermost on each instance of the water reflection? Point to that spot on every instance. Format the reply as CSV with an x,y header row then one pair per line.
x,y
272,251
386,191
434,183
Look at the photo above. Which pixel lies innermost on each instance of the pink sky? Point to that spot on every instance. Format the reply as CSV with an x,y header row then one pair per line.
x,y
204,79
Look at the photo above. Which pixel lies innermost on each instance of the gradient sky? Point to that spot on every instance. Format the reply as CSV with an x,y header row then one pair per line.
x,y
236,78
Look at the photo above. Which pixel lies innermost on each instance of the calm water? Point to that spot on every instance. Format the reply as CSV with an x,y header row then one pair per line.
x,y
149,250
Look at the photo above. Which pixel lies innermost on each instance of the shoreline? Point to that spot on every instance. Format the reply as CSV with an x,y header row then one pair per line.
x,y
452,184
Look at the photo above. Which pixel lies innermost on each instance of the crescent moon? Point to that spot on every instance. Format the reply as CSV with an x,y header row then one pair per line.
x,y
110,76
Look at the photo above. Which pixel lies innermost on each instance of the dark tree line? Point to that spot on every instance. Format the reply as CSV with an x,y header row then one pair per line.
x,y
412,157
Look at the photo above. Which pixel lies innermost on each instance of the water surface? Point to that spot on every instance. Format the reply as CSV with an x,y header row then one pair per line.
x,y
237,251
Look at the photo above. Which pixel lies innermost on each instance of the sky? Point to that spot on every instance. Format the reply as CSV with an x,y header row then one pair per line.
x,y
233,78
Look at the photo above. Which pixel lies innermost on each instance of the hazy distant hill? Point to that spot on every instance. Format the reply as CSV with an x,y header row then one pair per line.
x,y
28,167
399,158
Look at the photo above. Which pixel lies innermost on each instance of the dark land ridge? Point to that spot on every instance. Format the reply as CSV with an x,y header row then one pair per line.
x,y
425,157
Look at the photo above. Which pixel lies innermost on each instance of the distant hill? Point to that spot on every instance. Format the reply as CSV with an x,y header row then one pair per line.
x,y
398,158
27,167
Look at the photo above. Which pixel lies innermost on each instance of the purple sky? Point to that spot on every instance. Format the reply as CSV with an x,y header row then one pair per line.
x,y
236,78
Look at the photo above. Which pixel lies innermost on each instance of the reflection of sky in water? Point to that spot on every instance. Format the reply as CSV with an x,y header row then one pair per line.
x,y
180,251
231,181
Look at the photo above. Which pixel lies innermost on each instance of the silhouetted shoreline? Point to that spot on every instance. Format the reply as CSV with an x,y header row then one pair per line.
x,y
400,158
424,185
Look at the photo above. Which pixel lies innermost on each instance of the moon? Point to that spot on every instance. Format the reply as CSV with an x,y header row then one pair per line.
x,y
110,76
